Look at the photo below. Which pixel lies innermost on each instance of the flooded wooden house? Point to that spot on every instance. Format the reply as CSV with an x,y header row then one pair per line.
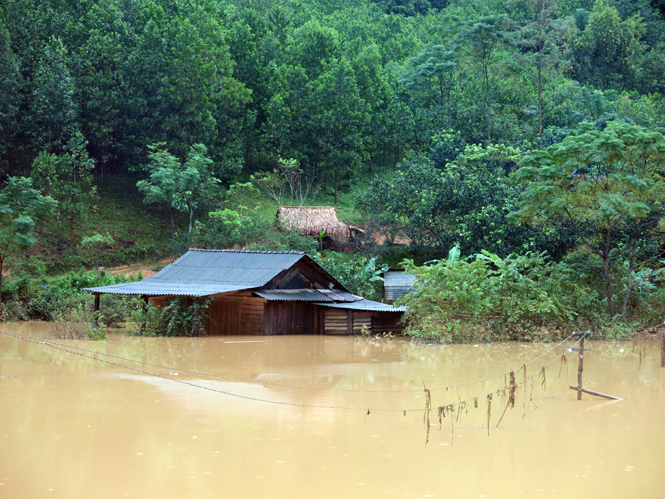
x,y
262,292
314,221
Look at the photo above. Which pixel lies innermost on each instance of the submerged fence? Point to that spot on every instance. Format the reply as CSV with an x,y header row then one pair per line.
x,y
515,381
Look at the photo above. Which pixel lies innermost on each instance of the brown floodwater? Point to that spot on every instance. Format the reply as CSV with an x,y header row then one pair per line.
x,y
75,427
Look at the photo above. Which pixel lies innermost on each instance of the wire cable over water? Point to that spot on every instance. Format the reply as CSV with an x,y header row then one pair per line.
x,y
300,387
448,407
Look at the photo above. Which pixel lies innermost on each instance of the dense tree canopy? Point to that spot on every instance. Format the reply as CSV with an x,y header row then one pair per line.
x,y
253,81
609,185
468,112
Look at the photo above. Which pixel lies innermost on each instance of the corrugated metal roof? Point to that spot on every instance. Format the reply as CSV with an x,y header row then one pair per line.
x,y
292,295
206,272
229,267
396,283
367,305
337,296
165,289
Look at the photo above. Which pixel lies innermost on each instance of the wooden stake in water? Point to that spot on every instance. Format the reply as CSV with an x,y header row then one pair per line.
x,y
580,368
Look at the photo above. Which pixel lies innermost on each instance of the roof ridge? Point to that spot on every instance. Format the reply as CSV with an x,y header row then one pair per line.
x,y
248,251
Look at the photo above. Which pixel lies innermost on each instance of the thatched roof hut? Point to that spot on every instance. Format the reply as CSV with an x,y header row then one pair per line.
x,y
312,220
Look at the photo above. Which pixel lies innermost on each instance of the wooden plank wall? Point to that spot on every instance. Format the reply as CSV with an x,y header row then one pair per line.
x,y
235,314
290,318
252,310
345,322
388,322
335,321
224,317
361,319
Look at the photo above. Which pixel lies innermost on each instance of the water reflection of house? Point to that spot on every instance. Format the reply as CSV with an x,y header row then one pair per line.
x,y
262,292
317,220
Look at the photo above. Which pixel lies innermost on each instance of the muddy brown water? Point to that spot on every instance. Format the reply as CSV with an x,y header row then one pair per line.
x,y
75,427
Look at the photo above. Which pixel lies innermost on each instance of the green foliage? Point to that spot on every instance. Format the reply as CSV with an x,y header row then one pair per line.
x,y
608,184
78,323
335,85
182,185
94,245
467,203
434,72
32,296
10,82
480,41
96,239
227,228
52,104
21,207
67,177
359,274
607,48
489,298
410,7
178,317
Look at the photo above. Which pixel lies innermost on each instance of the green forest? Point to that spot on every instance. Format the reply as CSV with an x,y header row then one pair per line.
x,y
509,153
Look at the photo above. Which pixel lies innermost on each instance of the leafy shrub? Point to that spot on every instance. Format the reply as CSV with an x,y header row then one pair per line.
x,y
490,298
178,317
79,323
356,272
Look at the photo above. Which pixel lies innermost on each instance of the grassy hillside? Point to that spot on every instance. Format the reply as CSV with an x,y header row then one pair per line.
x,y
140,232
145,233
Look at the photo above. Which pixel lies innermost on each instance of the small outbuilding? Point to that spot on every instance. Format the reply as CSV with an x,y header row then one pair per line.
x,y
396,283
315,220
262,292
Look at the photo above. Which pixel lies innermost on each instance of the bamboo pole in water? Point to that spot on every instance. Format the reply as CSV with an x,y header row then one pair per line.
x,y
597,394
580,368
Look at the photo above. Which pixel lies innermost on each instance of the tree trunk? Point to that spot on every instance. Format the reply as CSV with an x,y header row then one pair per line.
x,y
2,261
191,218
335,188
608,286
103,166
629,289
488,106
540,72
540,95
629,284
606,276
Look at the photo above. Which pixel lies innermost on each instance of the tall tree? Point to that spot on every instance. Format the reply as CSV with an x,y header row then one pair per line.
x,y
536,35
434,71
609,186
183,185
342,116
21,207
100,79
10,83
480,41
53,109
607,49
67,177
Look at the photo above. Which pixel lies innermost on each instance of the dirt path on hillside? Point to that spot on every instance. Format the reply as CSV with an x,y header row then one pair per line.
x,y
134,269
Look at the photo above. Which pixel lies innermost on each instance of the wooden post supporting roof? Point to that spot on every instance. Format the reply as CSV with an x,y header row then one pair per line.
x,y
145,308
96,305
